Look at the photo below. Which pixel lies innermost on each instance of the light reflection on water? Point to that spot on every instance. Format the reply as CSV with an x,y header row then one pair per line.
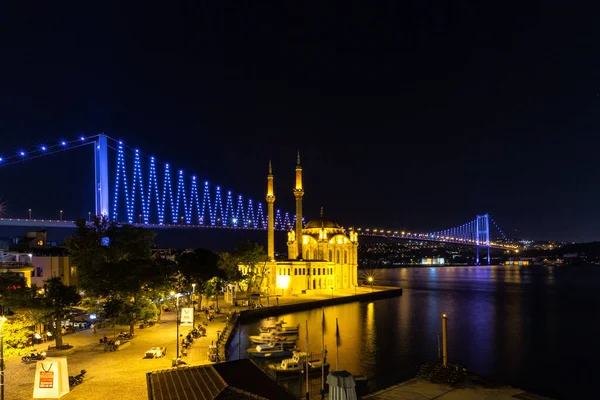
x,y
532,327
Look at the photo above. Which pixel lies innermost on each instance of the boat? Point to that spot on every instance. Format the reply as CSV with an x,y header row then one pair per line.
x,y
297,365
270,350
268,337
278,329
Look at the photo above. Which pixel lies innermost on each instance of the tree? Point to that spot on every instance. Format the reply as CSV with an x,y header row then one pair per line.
x,y
17,332
213,287
14,292
115,261
59,298
253,256
197,266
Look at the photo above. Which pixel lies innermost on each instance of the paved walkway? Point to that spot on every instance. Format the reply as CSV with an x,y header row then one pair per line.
x,y
418,389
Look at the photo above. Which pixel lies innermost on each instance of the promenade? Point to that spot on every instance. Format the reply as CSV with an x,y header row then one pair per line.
x,y
419,389
122,374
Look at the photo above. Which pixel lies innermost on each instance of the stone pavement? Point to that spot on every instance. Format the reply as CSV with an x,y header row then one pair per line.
x,y
418,389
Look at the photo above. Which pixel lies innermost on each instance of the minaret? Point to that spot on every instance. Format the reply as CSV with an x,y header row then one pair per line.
x,y
298,193
270,216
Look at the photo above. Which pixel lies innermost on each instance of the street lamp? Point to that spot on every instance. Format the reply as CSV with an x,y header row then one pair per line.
x,y
61,214
370,279
89,215
331,292
193,305
2,321
30,213
176,322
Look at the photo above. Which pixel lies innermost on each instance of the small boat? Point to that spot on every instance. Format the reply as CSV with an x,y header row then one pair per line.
x,y
297,365
267,337
270,350
280,330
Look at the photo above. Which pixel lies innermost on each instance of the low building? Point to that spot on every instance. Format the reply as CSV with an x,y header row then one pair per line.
x,y
240,379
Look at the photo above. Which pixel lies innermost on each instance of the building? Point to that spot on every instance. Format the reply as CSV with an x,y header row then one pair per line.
x,y
52,266
232,380
19,263
321,255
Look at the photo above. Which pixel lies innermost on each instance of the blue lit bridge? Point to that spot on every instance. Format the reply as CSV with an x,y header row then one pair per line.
x,y
140,190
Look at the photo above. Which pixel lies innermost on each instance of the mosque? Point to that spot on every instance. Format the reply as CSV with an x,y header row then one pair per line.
x,y
321,256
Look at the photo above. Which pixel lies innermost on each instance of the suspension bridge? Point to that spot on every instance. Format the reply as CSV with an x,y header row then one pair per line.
x,y
161,196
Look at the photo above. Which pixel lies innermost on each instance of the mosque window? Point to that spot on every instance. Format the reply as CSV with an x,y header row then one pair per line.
x,y
314,271
295,271
318,271
330,256
315,255
345,257
337,256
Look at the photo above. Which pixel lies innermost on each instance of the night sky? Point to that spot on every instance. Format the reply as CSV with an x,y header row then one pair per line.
x,y
412,115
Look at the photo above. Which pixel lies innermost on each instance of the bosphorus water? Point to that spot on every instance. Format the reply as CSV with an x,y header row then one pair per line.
x,y
536,328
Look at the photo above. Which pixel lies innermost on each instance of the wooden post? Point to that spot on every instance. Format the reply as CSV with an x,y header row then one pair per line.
x,y
445,339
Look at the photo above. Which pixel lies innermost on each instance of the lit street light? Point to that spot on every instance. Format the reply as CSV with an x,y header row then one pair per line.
x,y
140,217
370,279
89,215
193,305
177,323
61,215
30,213
331,293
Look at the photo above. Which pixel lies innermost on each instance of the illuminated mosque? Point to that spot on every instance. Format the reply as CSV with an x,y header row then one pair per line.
x,y
321,256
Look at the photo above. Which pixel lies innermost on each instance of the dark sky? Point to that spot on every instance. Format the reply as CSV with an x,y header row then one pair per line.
x,y
413,115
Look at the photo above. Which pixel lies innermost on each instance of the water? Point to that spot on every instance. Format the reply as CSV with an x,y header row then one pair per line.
x,y
536,328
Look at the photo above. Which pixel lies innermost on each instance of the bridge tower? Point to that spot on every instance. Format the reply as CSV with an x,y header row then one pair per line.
x,y
270,215
101,173
298,193
482,236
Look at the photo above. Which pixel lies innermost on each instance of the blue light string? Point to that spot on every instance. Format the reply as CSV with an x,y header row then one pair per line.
x,y
228,210
218,210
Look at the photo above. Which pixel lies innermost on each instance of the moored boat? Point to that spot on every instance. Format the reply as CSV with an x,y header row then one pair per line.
x,y
267,337
270,350
297,365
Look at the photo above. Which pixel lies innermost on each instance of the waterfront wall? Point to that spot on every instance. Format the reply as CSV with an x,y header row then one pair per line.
x,y
247,316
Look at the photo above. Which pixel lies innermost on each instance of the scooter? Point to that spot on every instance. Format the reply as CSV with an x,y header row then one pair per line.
x,y
34,357
77,379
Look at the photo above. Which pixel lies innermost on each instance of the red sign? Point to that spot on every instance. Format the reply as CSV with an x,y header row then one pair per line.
x,y
46,379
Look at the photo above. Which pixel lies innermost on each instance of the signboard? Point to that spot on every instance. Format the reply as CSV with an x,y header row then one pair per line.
x,y
51,378
187,317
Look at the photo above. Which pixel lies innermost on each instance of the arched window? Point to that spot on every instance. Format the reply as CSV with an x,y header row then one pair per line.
x,y
315,257
337,256
345,257
330,256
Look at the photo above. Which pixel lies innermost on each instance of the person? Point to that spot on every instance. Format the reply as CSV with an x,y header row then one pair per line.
x,y
94,328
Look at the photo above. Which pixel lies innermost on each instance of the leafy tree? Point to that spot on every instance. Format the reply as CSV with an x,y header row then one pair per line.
x,y
212,287
115,261
17,332
253,256
59,298
14,292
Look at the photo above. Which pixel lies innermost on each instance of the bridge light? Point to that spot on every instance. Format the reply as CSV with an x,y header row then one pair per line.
x,y
63,143
81,138
43,148
0,159
22,153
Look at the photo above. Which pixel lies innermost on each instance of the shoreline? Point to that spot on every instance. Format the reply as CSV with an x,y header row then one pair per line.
x,y
260,313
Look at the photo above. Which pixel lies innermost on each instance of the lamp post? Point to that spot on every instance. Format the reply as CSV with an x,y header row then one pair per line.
x,y
30,213
177,323
61,214
140,218
370,279
2,321
331,292
193,305
89,215
355,289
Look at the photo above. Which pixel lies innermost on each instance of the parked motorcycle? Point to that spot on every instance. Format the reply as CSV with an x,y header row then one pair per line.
x,y
34,357
77,379
125,336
